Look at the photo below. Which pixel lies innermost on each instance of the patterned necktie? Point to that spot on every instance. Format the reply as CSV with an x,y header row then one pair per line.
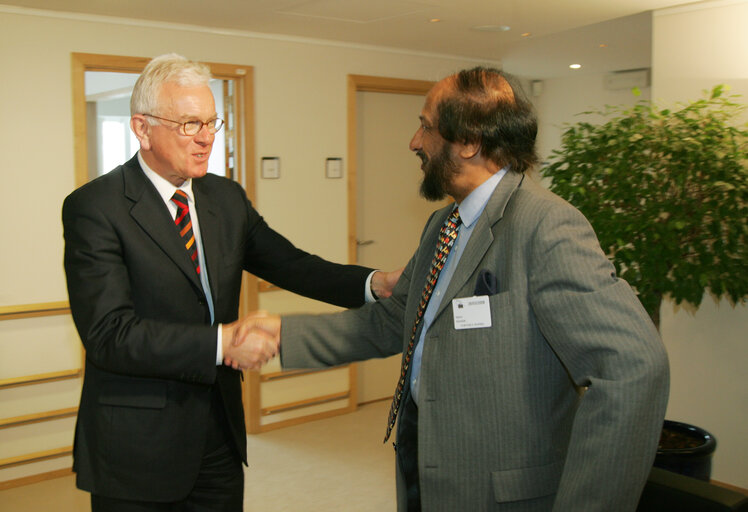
x,y
184,225
447,237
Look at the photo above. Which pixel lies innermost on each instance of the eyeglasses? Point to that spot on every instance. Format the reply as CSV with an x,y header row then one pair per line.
x,y
190,128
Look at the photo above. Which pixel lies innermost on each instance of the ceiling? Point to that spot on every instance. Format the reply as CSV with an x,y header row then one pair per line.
x,y
560,31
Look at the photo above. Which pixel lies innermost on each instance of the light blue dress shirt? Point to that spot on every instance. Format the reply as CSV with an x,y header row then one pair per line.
x,y
470,209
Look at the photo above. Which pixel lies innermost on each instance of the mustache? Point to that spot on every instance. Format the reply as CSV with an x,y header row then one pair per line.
x,y
420,154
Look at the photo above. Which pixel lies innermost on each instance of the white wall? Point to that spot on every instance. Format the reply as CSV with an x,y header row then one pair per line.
x,y
563,98
300,100
694,48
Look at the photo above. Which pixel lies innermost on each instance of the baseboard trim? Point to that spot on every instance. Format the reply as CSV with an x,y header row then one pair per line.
x,y
729,487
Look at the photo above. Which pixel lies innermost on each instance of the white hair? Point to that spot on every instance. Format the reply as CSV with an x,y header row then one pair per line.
x,y
169,68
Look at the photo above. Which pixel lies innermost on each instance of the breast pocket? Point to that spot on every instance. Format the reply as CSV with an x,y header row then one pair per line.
x,y
489,348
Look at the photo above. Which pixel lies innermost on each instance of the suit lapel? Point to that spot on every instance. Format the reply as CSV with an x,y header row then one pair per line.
x,y
482,236
209,231
152,215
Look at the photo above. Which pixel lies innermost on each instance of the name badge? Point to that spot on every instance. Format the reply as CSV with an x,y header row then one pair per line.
x,y
471,312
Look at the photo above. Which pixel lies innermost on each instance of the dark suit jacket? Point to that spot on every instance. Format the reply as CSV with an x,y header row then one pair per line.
x,y
503,421
142,315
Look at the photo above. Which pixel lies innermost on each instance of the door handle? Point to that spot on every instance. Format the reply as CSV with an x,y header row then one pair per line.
x,y
361,243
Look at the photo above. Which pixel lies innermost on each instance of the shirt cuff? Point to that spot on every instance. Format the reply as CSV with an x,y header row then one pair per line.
x,y
368,295
219,346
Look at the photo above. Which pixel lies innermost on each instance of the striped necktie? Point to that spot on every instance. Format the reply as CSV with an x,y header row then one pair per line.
x,y
184,225
447,237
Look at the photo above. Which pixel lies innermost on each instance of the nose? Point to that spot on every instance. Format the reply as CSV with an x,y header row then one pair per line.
x,y
415,142
204,136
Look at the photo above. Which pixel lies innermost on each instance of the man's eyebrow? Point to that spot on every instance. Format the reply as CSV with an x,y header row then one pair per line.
x,y
191,117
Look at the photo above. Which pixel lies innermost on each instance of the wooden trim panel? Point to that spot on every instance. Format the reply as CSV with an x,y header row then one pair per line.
x,y
35,457
369,83
287,374
37,417
252,402
40,378
34,310
303,419
33,479
266,411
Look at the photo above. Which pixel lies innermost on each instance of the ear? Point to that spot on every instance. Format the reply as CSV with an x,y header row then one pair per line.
x,y
469,150
142,130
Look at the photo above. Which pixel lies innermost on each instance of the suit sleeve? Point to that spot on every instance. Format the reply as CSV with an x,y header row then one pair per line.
x,y
602,335
272,257
372,331
117,337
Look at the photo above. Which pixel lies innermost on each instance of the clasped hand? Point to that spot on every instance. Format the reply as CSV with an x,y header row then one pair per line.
x,y
252,341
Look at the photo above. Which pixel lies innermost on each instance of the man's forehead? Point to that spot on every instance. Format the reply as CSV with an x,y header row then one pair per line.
x,y
434,96
177,97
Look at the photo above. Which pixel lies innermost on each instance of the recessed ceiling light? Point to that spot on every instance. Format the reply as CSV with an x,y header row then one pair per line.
x,y
575,66
493,28
603,45
526,34
434,20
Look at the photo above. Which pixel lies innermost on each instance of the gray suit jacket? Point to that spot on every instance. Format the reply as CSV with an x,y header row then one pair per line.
x,y
558,405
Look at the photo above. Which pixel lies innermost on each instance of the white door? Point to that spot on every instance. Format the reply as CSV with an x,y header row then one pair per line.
x,y
391,213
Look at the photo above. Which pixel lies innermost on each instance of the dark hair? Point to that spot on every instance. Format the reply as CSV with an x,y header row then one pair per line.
x,y
488,107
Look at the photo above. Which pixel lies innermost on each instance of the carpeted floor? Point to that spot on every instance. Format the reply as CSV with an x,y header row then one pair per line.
x,y
328,465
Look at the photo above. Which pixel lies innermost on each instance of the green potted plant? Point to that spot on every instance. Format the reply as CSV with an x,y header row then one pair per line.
x,y
667,193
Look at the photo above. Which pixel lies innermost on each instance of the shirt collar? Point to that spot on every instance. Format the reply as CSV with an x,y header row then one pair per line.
x,y
164,188
474,204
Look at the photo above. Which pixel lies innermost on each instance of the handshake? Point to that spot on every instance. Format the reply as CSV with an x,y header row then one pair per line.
x,y
252,341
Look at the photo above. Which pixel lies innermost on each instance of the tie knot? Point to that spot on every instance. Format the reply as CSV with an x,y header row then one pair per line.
x,y
180,199
455,217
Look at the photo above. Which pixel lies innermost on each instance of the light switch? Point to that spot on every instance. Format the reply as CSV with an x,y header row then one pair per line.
x,y
334,168
270,167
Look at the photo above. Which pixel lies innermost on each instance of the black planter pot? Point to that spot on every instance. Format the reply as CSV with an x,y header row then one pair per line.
x,y
695,460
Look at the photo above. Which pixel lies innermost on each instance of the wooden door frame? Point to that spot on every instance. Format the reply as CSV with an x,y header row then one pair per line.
x,y
243,77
